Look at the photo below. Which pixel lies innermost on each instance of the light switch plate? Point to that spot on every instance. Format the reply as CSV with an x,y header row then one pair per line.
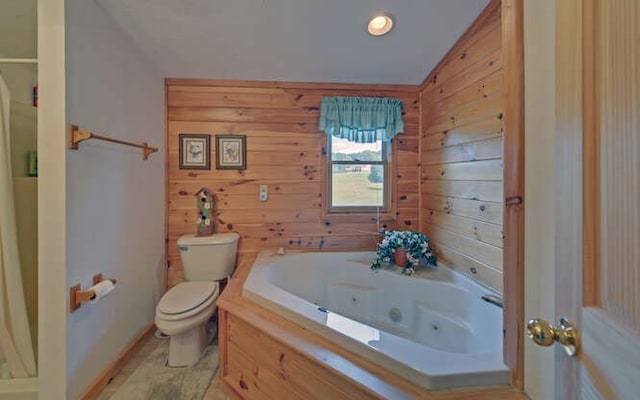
x,y
264,192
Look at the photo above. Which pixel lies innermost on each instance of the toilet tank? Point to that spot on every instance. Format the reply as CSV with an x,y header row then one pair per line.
x,y
208,258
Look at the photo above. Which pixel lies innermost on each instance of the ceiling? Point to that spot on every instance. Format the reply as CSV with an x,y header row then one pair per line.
x,y
294,40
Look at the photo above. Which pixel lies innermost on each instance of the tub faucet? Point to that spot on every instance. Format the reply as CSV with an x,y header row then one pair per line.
x,y
493,299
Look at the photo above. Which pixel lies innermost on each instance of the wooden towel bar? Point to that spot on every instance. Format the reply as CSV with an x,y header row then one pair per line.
x,y
77,136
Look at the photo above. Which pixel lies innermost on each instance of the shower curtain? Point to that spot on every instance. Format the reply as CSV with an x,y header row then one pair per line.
x,y
16,351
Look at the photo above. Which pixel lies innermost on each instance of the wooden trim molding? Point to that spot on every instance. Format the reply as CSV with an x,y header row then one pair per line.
x,y
287,85
167,259
98,385
513,53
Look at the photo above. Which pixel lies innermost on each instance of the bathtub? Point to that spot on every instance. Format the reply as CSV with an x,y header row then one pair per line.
x,y
432,328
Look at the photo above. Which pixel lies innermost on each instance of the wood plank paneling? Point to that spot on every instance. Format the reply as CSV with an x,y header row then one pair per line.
x,y
473,46
295,375
461,152
490,255
484,150
464,114
471,190
285,151
481,130
484,170
489,64
472,209
482,89
470,266
482,231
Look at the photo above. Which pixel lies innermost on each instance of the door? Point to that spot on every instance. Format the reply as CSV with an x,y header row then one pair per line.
x,y
598,196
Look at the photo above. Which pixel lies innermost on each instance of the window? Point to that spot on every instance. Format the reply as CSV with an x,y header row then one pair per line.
x,y
359,132
358,175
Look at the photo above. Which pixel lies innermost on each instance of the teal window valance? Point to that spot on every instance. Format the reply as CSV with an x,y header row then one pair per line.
x,y
361,119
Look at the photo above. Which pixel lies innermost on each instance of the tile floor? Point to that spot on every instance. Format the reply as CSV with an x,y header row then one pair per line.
x,y
213,393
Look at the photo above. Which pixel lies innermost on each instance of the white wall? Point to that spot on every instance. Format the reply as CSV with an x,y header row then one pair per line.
x,y
540,187
114,199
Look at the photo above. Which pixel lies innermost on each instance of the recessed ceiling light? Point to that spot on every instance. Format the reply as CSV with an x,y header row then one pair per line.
x,y
380,24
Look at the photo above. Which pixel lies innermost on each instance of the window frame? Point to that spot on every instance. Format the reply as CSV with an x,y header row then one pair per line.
x,y
386,162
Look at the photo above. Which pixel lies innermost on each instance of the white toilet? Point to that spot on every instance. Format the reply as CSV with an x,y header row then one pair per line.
x,y
184,310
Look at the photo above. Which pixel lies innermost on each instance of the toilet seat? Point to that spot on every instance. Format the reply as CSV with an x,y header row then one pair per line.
x,y
186,299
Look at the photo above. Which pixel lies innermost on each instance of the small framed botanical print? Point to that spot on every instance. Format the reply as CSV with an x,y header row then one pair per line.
x,y
195,151
231,152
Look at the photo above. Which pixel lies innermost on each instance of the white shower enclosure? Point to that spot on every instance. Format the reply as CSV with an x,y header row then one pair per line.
x,y
18,196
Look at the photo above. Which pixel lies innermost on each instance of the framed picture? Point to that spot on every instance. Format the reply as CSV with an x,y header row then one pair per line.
x,y
231,152
195,151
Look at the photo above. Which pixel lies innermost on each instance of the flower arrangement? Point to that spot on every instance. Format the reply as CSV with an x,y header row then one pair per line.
x,y
415,244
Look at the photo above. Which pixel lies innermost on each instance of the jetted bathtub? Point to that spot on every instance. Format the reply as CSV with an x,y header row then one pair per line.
x,y
432,328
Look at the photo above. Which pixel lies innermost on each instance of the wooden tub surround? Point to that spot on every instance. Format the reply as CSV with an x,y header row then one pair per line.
x,y
264,356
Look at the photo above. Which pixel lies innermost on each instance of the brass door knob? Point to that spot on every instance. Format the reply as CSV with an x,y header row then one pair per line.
x,y
544,334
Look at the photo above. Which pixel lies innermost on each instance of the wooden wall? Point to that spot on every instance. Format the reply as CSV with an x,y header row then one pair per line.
x,y
462,152
285,151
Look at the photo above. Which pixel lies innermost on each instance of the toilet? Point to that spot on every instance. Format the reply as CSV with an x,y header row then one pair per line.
x,y
183,313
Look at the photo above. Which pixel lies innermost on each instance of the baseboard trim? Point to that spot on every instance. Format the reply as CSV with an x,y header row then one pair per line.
x,y
98,385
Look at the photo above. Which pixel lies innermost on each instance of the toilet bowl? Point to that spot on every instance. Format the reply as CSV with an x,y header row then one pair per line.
x,y
183,312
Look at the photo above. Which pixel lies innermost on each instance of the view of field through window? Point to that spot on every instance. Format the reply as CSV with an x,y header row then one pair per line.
x,y
360,182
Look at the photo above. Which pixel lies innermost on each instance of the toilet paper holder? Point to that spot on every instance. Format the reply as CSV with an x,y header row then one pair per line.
x,y
78,296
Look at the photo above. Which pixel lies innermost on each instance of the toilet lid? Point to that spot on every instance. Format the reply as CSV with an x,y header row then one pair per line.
x,y
186,296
